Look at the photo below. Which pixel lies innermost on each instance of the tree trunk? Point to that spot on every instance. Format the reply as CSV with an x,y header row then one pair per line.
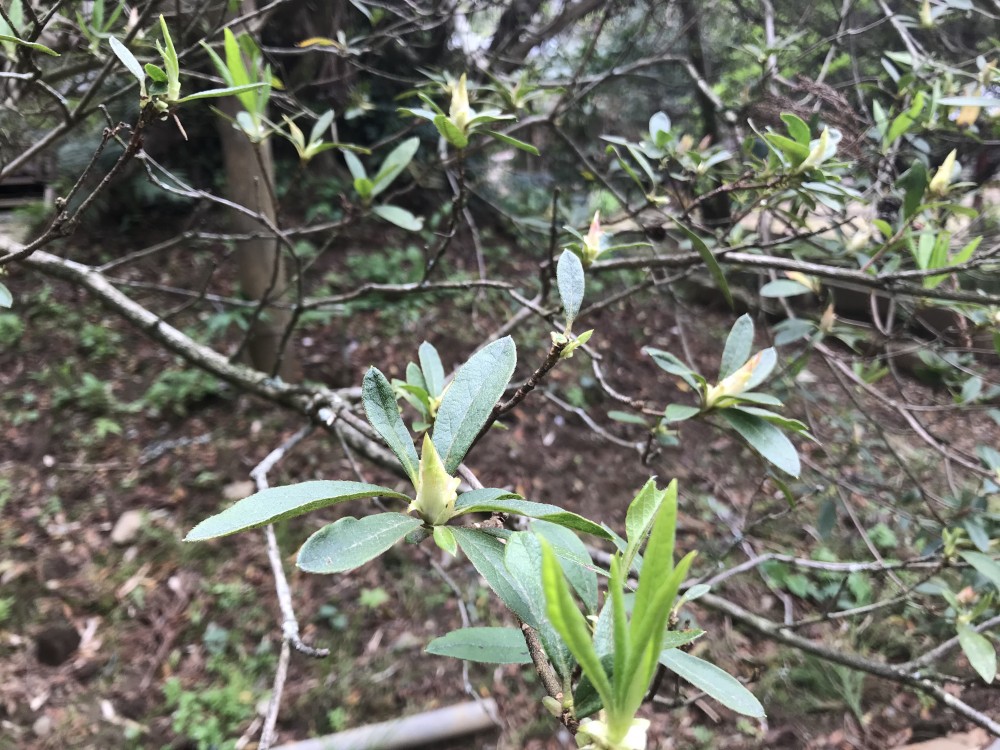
x,y
261,266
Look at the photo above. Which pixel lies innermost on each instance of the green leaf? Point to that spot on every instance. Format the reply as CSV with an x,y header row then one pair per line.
x,y
514,142
914,184
486,554
968,101
793,151
6,298
128,60
431,369
444,539
786,423
574,558
170,62
680,412
766,439
797,128
277,503
469,400
570,279
355,167
363,187
215,93
980,652
627,417
678,638
397,160
715,682
658,559
234,59
904,121
669,363
155,72
639,518
450,132
500,501
709,260
783,288
400,217
739,344
486,645
380,407
33,45
768,359
571,625
986,565
523,560
350,542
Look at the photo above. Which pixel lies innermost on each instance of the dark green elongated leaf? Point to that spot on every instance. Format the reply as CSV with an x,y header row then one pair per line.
x,y
34,45
986,565
450,132
764,399
470,398
678,638
350,542
523,560
394,163
980,652
914,183
574,558
215,93
793,151
6,298
783,288
514,142
431,369
506,503
571,625
128,59
668,362
786,423
380,407
680,412
486,553
710,679
487,645
399,216
277,503
586,701
569,275
766,439
739,344
627,417
709,260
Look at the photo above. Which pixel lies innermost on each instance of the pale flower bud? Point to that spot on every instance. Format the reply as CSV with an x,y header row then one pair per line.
x,y
733,385
595,734
436,489
592,242
460,114
943,176
818,154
